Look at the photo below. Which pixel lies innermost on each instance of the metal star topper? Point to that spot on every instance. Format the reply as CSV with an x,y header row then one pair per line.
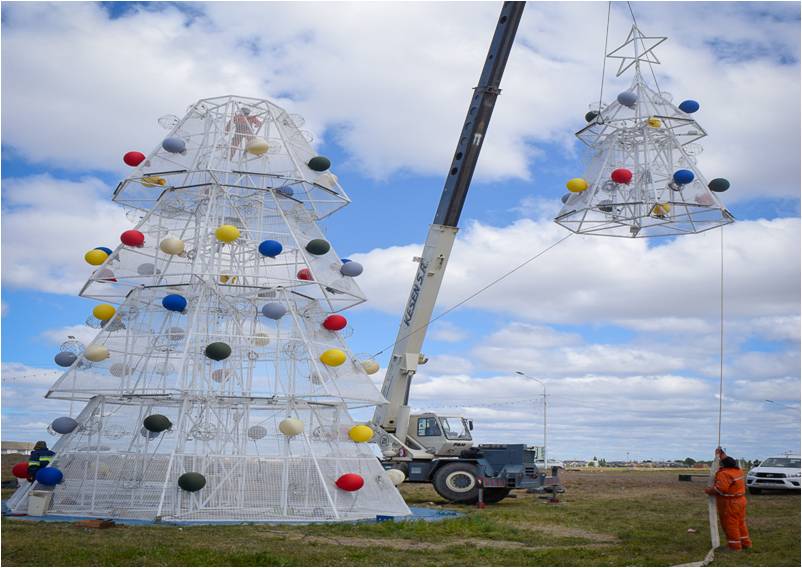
x,y
642,48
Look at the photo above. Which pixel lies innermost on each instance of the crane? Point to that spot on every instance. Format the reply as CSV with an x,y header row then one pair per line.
x,y
438,449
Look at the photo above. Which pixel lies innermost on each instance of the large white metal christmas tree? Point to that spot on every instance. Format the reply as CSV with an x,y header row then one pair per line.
x,y
219,385
642,179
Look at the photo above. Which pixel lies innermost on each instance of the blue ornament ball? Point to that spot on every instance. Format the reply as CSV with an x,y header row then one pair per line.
x,y
175,303
689,106
174,145
683,177
49,476
270,248
107,250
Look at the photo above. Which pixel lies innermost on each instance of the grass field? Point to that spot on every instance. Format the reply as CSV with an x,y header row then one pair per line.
x,y
604,519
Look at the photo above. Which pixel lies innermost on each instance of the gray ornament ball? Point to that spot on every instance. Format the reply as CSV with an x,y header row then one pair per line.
x,y
174,145
65,358
351,269
274,310
64,425
628,98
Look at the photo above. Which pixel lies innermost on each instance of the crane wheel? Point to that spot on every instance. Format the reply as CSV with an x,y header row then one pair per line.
x,y
456,482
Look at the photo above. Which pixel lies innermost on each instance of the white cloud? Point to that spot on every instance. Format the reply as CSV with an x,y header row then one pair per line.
x,y
593,279
49,224
81,332
447,332
448,365
659,416
408,73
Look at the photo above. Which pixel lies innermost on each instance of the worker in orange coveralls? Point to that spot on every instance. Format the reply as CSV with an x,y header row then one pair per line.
x,y
730,491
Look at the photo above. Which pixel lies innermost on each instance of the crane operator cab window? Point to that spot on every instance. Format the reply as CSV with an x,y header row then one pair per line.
x,y
455,428
428,426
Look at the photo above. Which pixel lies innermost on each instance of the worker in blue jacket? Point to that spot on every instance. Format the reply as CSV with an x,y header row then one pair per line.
x,y
41,456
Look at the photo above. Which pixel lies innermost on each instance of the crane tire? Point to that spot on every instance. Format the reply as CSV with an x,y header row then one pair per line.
x,y
495,494
456,482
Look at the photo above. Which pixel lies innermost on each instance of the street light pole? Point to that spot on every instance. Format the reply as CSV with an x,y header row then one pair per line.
x,y
545,419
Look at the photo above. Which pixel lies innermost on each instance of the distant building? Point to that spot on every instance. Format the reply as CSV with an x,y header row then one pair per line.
x,y
16,447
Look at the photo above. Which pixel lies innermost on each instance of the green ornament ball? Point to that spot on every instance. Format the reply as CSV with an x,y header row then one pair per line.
x,y
191,481
157,423
319,163
218,350
318,247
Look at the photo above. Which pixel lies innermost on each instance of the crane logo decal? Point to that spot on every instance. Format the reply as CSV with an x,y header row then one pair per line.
x,y
413,296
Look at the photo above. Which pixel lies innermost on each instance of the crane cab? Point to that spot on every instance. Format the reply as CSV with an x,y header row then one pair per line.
x,y
439,435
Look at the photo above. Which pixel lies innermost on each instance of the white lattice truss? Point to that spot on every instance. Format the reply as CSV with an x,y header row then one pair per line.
x,y
224,414
653,139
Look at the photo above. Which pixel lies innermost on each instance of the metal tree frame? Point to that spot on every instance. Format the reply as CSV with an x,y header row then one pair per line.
x,y
652,138
225,414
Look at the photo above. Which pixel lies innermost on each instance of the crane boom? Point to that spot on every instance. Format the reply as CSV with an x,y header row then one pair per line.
x,y
394,416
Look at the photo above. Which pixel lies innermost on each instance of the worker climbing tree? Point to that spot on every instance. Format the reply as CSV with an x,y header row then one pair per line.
x,y
219,386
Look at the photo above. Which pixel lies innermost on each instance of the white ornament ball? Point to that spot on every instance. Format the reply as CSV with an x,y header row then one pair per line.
x,y
257,146
370,366
260,339
172,245
291,427
396,476
96,353
221,375
120,370
257,432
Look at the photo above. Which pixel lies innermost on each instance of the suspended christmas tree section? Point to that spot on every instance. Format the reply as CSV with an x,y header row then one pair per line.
x,y
642,179
219,386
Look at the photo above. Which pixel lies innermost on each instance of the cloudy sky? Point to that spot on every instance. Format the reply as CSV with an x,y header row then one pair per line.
x,y
624,333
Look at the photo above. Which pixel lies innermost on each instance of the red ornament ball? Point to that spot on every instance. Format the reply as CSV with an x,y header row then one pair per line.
x,y
305,274
335,322
132,238
621,175
350,482
20,470
133,159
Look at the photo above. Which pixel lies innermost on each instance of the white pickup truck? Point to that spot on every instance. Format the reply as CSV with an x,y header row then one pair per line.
x,y
781,472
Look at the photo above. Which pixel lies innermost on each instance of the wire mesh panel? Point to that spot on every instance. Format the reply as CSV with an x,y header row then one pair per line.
x,y
219,386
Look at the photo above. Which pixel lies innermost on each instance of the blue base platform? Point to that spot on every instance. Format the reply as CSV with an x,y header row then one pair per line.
x,y
418,514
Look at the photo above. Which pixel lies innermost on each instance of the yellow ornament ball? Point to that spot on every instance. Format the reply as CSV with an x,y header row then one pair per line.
x,y
661,209
257,146
96,353
576,185
333,357
227,233
654,122
96,257
104,312
360,433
